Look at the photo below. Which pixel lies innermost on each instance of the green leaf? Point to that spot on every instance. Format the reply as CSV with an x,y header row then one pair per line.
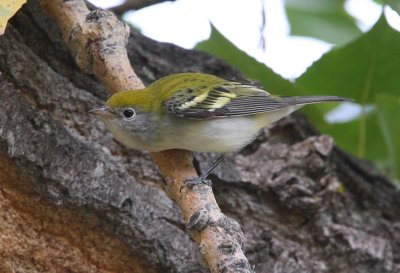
x,y
388,111
221,47
347,134
362,69
322,19
359,70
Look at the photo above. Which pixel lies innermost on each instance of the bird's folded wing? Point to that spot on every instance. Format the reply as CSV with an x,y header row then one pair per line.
x,y
224,100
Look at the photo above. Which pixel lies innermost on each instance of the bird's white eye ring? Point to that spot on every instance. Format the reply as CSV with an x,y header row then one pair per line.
x,y
128,114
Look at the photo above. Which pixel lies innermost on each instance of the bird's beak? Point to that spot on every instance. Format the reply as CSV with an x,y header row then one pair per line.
x,y
104,112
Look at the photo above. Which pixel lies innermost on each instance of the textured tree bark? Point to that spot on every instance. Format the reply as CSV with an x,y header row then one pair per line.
x,y
74,200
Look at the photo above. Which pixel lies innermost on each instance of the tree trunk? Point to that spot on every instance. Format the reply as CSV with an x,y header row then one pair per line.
x,y
72,199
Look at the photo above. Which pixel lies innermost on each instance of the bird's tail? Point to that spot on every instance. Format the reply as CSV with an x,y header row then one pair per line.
x,y
300,100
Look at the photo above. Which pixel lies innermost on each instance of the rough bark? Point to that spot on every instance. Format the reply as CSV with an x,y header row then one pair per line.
x,y
74,200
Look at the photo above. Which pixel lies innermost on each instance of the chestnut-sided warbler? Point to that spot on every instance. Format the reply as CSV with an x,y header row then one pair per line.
x,y
196,112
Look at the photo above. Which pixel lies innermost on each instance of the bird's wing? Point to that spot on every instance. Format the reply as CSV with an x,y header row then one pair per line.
x,y
222,100
231,99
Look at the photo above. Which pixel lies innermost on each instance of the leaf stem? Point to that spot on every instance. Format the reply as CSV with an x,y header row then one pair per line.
x,y
362,137
362,132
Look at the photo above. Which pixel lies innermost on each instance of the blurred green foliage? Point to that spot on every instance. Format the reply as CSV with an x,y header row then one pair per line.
x,y
323,19
363,66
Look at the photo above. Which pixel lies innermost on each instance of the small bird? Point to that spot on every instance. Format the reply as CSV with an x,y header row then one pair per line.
x,y
196,112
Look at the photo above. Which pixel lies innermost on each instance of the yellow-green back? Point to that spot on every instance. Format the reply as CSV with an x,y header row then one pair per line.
x,y
151,97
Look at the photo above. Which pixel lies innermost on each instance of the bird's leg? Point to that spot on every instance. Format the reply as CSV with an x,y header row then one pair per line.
x,y
205,174
202,179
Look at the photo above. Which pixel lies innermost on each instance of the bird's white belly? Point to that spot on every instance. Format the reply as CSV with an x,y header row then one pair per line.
x,y
222,135
219,135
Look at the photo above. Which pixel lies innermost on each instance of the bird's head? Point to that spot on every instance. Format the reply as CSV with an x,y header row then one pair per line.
x,y
125,106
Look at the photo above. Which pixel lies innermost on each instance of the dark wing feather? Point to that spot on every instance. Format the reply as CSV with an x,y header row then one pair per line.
x,y
232,99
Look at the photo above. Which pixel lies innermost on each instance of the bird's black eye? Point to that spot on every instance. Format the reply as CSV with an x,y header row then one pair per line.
x,y
128,113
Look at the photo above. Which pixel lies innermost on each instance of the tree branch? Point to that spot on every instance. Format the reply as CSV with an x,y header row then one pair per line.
x,y
97,41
